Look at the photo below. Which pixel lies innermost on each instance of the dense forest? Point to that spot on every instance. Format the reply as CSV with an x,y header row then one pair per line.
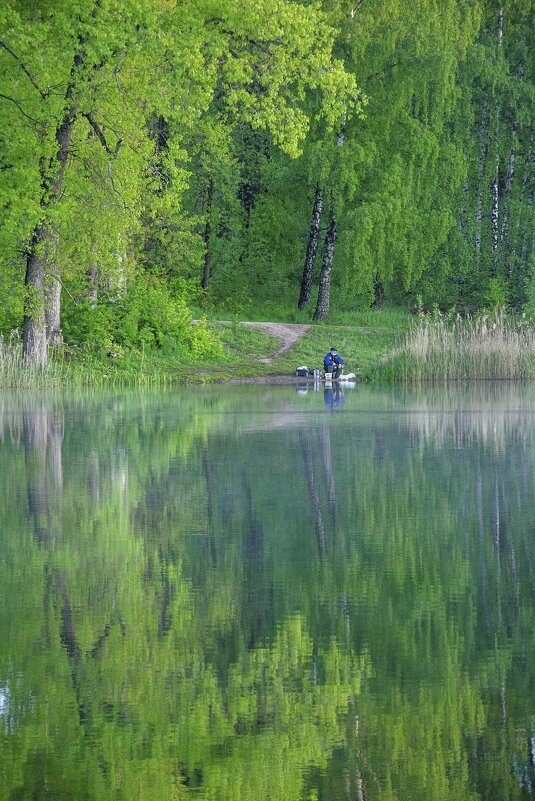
x,y
164,155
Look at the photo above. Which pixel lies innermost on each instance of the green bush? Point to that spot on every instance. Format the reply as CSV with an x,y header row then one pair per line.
x,y
205,344
146,313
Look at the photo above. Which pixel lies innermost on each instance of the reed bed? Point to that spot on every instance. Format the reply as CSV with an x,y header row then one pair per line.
x,y
445,348
18,373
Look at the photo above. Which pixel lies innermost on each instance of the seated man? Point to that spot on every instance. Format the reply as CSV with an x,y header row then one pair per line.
x,y
332,363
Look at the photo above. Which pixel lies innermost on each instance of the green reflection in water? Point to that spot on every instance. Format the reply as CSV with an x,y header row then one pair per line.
x,y
252,594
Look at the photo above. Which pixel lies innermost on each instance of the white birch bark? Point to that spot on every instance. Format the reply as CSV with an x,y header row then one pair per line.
x,y
481,171
495,210
518,244
322,307
306,280
508,184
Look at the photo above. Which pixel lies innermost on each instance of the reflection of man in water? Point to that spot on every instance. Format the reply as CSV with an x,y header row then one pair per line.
x,y
333,397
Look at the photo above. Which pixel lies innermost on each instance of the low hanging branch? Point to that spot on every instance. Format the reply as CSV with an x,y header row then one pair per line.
x,y
25,69
354,10
114,153
16,102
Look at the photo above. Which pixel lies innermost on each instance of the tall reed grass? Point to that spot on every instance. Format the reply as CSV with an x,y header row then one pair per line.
x,y
85,371
446,348
17,373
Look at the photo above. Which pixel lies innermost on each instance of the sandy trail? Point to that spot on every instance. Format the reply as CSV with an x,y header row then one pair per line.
x,y
288,333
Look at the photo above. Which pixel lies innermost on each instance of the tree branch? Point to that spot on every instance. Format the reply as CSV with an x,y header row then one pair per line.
x,y
98,131
102,139
25,69
110,176
382,72
354,10
12,100
60,282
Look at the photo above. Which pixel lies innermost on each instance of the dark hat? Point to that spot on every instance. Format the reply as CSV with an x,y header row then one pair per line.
x,y
333,348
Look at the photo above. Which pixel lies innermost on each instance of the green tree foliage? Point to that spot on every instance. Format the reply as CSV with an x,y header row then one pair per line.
x,y
150,149
109,102
492,246
404,186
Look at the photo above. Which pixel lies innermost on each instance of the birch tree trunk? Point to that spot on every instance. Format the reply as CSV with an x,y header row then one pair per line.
x,y
480,172
207,235
495,211
518,243
494,214
508,184
306,280
322,307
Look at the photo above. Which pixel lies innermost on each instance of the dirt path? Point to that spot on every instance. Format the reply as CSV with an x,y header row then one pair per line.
x,y
288,333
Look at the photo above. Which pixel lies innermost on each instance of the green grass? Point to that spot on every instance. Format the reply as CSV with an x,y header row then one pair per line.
x,y
241,343
93,366
362,338
377,345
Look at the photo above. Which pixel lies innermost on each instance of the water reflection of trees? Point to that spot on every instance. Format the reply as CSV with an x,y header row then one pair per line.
x,y
327,612
118,622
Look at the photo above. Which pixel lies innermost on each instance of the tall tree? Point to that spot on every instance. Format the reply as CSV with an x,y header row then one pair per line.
x,y
90,149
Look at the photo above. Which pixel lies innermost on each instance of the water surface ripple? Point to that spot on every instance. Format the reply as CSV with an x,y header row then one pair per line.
x,y
265,593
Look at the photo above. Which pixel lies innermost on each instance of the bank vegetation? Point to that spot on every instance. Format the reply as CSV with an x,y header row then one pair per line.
x,y
448,348
162,162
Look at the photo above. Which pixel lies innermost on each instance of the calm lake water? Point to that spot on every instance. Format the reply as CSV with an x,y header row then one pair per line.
x,y
270,594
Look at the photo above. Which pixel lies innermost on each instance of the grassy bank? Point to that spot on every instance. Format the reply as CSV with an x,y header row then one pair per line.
x,y
93,366
447,348
362,338
386,345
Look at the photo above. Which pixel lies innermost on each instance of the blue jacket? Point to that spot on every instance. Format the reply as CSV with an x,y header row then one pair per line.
x,y
329,361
